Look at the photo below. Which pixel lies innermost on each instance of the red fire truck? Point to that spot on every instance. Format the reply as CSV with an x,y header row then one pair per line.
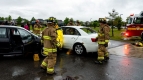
x,y
134,27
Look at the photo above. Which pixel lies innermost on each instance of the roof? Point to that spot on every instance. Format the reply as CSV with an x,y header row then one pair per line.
x,y
9,26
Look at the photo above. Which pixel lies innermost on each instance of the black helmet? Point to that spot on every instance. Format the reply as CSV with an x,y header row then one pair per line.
x,y
50,20
102,20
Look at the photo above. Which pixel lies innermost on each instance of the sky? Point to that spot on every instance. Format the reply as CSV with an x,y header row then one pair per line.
x,y
83,10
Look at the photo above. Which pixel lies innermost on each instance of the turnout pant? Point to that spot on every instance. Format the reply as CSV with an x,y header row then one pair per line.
x,y
102,52
49,62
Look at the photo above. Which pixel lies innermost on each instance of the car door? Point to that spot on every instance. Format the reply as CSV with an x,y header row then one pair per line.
x,y
70,36
28,40
4,40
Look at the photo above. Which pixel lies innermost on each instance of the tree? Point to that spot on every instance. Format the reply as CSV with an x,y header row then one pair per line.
x,y
19,20
6,18
66,21
9,18
32,19
118,22
95,23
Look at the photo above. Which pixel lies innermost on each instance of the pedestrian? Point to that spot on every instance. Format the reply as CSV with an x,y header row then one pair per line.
x,y
26,26
103,39
70,24
50,43
37,28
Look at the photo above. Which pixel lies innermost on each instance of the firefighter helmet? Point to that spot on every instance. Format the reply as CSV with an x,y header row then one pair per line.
x,y
50,20
102,20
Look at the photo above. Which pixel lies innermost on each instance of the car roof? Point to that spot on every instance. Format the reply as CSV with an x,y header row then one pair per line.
x,y
9,26
75,26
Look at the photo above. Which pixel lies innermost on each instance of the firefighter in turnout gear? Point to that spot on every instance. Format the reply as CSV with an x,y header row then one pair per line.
x,y
78,23
50,43
71,23
103,39
37,28
59,31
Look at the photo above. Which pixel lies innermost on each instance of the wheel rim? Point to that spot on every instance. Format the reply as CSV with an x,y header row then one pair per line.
x,y
78,49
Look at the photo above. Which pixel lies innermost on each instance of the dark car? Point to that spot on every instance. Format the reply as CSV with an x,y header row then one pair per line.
x,y
17,40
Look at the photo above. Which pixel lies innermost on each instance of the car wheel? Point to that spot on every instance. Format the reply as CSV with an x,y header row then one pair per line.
x,y
79,49
41,53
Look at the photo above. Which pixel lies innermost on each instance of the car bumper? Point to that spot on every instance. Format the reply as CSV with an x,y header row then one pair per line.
x,y
91,47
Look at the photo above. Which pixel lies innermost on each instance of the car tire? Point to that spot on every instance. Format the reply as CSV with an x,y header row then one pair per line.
x,y
79,49
41,53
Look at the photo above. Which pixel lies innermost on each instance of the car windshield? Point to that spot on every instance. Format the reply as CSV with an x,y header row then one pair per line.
x,y
88,30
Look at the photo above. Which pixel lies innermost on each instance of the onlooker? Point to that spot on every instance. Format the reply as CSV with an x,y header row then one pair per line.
x,y
26,26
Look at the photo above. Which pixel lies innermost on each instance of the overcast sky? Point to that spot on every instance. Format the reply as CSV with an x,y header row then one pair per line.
x,y
82,10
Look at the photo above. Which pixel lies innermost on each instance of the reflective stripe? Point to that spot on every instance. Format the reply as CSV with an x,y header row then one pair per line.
x,y
100,34
50,50
50,69
58,44
44,63
37,29
106,54
101,42
100,58
47,37
45,52
106,40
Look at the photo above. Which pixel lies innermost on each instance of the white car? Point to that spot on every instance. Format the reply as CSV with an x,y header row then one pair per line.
x,y
80,39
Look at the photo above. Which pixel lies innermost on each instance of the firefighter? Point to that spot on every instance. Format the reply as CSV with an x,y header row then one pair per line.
x,y
103,39
71,23
37,28
78,23
50,43
59,31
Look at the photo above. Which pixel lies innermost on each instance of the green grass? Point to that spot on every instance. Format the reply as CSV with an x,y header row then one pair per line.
x,y
117,33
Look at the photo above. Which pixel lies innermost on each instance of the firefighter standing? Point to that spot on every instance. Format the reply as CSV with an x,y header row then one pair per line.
x,y
103,39
78,23
37,28
50,47
59,31
71,23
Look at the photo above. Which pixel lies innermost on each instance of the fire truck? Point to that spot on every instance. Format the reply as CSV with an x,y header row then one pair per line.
x,y
134,27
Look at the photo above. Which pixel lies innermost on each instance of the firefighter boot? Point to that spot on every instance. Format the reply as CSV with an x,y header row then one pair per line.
x,y
106,59
98,62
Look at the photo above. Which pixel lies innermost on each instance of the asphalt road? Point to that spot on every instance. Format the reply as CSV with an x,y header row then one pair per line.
x,y
119,67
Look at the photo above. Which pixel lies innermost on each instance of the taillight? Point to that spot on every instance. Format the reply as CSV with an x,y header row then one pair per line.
x,y
126,34
94,39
